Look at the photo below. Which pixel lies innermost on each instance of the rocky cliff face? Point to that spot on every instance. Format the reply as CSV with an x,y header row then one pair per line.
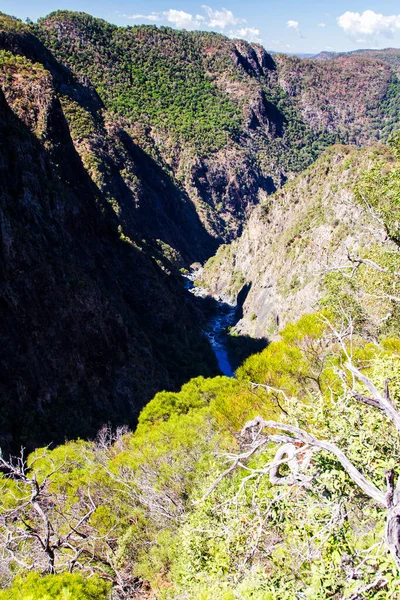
x,y
281,265
93,322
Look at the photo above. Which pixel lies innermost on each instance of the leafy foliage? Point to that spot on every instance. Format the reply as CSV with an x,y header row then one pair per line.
x,y
68,586
380,188
246,539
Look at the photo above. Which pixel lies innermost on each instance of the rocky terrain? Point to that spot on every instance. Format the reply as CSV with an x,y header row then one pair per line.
x,y
228,122
93,322
129,158
294,244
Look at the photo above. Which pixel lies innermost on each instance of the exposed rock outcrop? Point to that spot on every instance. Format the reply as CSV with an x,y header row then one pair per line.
x,y
294,240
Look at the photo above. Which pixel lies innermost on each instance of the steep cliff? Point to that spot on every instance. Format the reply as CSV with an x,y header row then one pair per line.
x,y
127,153
296,248
93,322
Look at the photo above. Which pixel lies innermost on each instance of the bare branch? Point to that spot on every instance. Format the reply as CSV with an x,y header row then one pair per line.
x,y
377,584
302,436
358,261
378,400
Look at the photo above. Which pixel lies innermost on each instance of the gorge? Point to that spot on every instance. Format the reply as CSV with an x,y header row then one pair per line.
x,y
197,238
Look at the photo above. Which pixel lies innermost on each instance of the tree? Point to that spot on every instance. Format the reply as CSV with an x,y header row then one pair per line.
x,y
299,445
54,517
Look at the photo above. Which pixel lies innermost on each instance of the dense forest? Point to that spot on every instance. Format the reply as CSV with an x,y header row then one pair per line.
x,y
130,467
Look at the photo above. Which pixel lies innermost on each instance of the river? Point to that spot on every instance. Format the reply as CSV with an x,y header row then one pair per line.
x,y
218,323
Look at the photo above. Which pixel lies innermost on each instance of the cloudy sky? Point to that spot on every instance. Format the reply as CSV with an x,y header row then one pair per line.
x,y
282,25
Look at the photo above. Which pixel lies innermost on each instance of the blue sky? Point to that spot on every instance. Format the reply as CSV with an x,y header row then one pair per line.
x,y
280,25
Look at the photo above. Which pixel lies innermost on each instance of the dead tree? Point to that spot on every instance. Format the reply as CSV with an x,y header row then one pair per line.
x,y
32,518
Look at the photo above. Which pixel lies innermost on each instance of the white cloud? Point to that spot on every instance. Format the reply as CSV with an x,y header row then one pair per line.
x,y
322,25
182,19
221,18
251,34
152,17
369,23
293,25
213,19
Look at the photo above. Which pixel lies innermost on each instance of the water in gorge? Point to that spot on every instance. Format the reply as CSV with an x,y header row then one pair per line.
x,y
217,325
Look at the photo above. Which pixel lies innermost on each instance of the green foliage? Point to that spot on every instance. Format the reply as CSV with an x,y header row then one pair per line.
x,y
230,402
380,188
147,74
80,121
368,291
369,106
193,395
248,539
390,107
300,144
296,362
17,63
68,586
12,24
341,297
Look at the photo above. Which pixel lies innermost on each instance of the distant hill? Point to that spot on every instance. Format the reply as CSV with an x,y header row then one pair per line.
x,y
389,55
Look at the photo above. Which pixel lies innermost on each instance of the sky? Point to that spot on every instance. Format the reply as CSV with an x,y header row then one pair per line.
x,y
279,25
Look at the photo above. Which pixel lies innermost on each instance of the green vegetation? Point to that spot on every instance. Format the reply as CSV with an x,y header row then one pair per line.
x,y
67,586
186,507
176,82
135,508
389,107
80,121
318,84
300,145
146,74
12,24
371,283
23,82
379,188
16,63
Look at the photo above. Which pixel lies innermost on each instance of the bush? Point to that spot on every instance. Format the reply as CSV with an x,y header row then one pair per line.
x,y
67,586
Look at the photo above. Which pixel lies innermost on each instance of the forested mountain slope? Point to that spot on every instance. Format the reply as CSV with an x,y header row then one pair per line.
x,y
389,55
129,152
225,119
126,154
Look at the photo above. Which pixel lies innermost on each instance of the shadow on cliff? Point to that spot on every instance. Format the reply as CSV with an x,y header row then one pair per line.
x,y
238,347
91,326
166,211
163,211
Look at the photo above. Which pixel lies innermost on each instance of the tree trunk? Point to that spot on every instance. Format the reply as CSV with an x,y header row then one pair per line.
x,y
393,533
